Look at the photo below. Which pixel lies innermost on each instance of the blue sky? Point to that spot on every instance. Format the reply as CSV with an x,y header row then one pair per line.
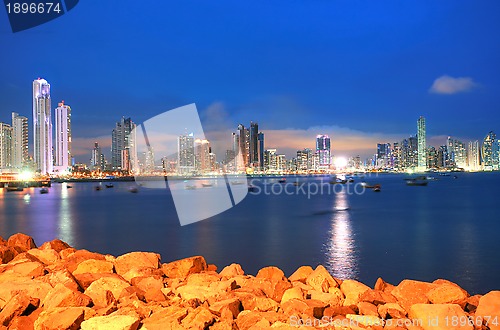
x,y
361,71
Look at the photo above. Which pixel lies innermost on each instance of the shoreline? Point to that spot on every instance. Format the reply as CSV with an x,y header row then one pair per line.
x,y
55,286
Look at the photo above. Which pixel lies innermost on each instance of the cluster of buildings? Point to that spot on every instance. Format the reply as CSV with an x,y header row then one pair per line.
x,y
52,150
51,142
412,154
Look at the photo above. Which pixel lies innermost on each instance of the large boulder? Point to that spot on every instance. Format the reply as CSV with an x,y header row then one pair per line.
x,y
136,260
271,273
68,318
16,306
447,294
198,319
22,241
56,245
301,274
231,271
94,266
7,253
489,309
410,292
182,268
321,280
103,284
353,290
62,296
292,293
440,317
111,322
47,256
72,260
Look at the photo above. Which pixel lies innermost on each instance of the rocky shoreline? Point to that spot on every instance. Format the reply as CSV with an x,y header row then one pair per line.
x,y
56,286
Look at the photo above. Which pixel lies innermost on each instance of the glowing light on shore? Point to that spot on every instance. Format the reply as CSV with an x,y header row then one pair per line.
x,y
26,176
340,162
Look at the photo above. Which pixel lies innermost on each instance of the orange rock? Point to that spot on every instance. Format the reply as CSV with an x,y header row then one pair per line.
x,y
365,320
439,316
7,253
292,293
199,319
103,284
61,296
339,310
140,272
126,262
56,244
392,310
33,288
29,269
100,298
366,308
16,306
62,276
489,309
301,274
182,268
334,297
212,268
202,278
232,304
472,303
60,318
94,266
271,273
146,283
377,297
47,256
74,259
321,280
447,294
247,319
86,279
382,285
22,323
22,241
353,290
65,253
410,292
118,322
131,293
232,270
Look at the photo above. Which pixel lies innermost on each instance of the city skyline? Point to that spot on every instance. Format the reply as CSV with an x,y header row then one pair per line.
x,y
358,72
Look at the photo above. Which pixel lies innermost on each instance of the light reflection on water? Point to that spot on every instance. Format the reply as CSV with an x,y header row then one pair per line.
x,y
341,247
65,221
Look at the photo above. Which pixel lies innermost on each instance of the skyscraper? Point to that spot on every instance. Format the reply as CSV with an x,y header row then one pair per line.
x,y
323,150
490,152
422,144
42,127
5,145
123,144
185,154
261,150
474,156
244,140
62,138
19,140
253,145
202,155
457,156
97,161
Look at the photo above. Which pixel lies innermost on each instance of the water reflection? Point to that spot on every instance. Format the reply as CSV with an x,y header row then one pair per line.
x,y
341,248
65,221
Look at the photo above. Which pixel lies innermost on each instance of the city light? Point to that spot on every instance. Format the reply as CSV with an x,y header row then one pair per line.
x,y
26,176
340,162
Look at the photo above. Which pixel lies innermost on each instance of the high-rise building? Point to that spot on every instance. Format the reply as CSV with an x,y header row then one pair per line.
x,y
186,154
260,138
383,155
97,162
123,144
270,162
442,157
474,156
432,157
254,145
457,156
323,150
62,138
202,156
6,133
42,127
19,141
490,152
422,147
244,140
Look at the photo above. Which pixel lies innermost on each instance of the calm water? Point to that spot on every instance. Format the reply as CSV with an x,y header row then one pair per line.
x,y
449,229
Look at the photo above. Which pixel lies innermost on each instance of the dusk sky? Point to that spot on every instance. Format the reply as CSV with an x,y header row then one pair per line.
x,y
361,71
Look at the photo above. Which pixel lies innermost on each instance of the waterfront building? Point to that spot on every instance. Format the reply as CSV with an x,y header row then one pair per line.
x,y
473,156
421,148
244,146
323,149
442,157
62,155
260,138
270,161
6,144
253,151
490,152
186,154
202,156
42,127
383,155
432,157
20,156
97,161
123,144
457,156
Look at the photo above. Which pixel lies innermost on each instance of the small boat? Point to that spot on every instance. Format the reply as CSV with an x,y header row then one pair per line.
x,y
44,190
282,180
69,187
338,181
133,190
109,185
418,181
251,188
351,180
14,188
206,185
377,188
236,182
367,185
97,188
190,187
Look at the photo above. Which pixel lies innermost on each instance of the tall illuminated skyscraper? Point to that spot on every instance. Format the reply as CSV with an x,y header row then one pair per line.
x,y
474,156
323,150
42,127
123,144
19,140
422,153
63,138
5,145
490,152
260,138
186,154
254,145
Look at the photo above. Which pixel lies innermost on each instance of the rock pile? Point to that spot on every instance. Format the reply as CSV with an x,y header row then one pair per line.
x,y
58,287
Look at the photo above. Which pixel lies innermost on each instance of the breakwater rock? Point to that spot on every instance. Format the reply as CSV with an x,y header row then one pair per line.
x,y
55,286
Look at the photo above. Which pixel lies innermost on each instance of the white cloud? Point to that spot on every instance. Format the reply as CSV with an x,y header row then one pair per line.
x,y
450,85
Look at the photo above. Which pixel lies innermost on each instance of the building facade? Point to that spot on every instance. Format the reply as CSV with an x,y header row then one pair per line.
x,y
422,147
6,133
42,127
323,149
20,154
123,144
63,157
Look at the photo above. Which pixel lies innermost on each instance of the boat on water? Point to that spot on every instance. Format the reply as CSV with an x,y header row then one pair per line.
x,y
44,190
377,188
109,185
338,181
14,188
207,185
368,186
69,187
190,187
418,181
236,183
98,188
133,190
282,180
251,188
